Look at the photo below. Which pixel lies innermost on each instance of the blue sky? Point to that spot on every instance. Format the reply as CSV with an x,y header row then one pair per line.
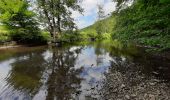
x,y
90,11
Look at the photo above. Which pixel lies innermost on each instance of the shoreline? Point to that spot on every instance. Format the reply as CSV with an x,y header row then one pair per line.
x,y
163,54
19,45
12,46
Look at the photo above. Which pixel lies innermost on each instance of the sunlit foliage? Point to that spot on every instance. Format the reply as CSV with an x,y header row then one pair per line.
x,y
146,22
19,20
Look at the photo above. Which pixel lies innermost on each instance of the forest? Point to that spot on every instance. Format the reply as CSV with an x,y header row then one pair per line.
x,y
145,22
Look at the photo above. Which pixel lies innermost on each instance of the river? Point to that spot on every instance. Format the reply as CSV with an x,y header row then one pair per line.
x,y
91,71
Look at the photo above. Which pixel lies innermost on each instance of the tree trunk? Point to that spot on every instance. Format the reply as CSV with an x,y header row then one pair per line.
x,y
54,36
59,19
59,23
52,28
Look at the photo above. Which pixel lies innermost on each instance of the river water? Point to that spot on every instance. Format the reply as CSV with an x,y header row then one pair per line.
x,y
93,71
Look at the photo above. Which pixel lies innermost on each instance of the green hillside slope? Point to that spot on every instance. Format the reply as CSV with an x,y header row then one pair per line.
x,y
105,26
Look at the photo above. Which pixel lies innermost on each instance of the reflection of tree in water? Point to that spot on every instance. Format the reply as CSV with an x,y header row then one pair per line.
x,y
126,78
99,51
64,81
26,72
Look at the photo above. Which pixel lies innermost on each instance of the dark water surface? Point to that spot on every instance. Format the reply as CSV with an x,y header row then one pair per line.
x,y
96,71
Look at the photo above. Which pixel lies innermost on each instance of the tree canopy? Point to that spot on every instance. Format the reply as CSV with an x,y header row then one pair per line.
x,y
17,18
56,14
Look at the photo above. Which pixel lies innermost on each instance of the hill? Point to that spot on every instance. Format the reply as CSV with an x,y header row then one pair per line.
x,y
105,26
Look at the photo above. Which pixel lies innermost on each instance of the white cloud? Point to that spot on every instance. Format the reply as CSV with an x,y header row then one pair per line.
x,y
109,7
90,10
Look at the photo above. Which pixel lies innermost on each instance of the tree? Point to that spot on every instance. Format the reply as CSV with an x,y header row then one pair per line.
x,y
123,3
56,15
101,15
16,16
120,3
144,22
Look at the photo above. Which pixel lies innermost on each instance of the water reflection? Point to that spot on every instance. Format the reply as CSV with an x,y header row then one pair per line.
x,y
63,81
25,76
136,76
56,73
94,71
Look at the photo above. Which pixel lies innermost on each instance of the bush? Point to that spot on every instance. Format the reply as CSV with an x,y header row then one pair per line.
x,y
4,35
148,24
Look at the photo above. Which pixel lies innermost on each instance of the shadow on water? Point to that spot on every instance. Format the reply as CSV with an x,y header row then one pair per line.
x,y
98,70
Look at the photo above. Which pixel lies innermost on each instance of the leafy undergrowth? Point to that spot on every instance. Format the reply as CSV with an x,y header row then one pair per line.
x,y
145,24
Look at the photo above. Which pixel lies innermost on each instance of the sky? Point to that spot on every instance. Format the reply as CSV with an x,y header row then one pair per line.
x,y
89,15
